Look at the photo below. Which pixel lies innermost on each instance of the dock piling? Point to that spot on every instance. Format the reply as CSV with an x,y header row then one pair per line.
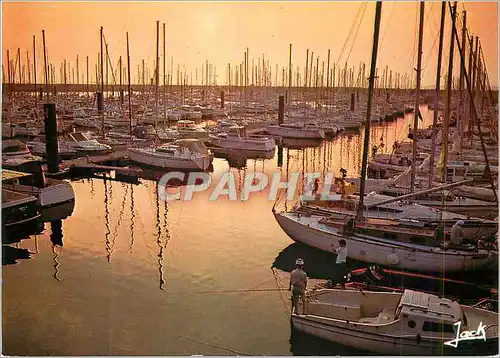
x,y
99,101
51,137
281,109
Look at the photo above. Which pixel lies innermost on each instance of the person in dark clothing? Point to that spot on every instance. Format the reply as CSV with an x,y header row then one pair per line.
x,y
340,271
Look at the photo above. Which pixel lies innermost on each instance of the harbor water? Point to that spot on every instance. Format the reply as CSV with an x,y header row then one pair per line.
x,y
129,274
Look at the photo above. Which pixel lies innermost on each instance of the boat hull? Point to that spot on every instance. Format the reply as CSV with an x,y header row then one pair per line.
x,y
20,216
152,160
346,334
246,145
290,132
383,251
56,193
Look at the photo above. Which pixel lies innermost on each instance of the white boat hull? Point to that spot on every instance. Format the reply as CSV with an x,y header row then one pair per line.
x,y
354,335
256,145
57,193
291,132
149,158
384,252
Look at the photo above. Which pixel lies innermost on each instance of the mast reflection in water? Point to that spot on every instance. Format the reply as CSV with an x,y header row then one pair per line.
x,y
56,237
221,247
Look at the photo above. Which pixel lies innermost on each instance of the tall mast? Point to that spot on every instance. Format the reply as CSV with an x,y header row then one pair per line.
x,y
328,79
121,80
8,67
474,116
447,110
34,65
19,64
437,93
129,91
378,12
87,60
157,69
45,66
164,78
102,82
28,67
307,67
289,76
416,113
107,68
461,82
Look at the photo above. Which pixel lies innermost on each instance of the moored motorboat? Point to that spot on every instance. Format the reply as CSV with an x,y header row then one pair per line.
x,y
20,215
14,148
188,129
292,130
236,138
296,131
39,147
49,192
184,154
408,323
84,145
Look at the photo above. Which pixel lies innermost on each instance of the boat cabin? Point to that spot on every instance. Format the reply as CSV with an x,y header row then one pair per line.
x,y
235,131
429,315
31,175
457,171
193,145
79,137
408,313
14,147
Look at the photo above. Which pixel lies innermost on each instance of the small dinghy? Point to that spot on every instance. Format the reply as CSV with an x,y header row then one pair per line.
x,y
408,323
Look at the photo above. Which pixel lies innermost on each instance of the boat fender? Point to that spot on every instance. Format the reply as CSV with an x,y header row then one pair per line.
x,y
393,258
419,338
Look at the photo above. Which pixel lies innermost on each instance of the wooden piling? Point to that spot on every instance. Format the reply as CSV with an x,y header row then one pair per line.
x,y
281,110
51,137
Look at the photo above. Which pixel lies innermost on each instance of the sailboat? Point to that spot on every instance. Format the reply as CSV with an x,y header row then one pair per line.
x,y
403,242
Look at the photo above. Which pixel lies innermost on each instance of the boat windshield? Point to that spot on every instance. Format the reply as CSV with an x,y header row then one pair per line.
x,y
193,145
79,137
399,307
165,150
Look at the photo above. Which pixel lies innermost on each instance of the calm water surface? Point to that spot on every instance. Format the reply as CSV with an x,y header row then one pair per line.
x,y
136,276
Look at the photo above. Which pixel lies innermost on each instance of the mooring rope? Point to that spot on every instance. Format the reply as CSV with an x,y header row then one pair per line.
x,y
215,346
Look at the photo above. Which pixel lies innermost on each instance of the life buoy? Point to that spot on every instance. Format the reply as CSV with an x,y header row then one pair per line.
x,y
393,258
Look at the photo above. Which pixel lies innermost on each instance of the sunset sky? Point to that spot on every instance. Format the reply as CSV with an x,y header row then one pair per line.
x,y
220,32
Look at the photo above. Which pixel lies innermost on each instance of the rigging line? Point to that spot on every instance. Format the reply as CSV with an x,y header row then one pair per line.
x,y
356,34
411,57
109,59
280,286
385,28
432,16
215,346
350,31
424,67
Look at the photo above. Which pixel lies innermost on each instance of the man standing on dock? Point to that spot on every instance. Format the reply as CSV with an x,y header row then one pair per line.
x,y
298,281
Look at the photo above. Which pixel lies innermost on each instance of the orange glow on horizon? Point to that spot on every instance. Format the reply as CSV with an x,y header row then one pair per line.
x,y
220,32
